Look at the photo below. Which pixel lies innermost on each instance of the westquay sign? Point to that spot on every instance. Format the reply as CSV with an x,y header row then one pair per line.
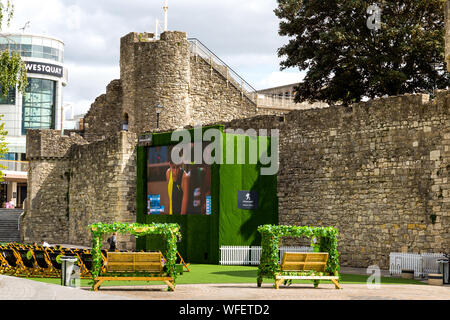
x,y
44,68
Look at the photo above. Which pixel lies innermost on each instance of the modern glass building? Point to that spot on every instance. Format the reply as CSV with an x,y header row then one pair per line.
x,y
39,108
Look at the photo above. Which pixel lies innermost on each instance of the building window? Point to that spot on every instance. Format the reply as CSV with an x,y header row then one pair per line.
x,y
8,156
125,122
39,105
28,50
10,98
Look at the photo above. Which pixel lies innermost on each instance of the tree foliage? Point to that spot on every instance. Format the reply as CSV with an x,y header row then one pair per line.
x,y
6,12
3,144
346,61
12,68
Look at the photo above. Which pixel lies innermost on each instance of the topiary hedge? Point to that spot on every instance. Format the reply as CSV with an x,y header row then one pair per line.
x,y
326,241
170,232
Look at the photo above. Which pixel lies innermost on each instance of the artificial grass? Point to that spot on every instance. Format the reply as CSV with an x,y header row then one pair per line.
x,y
207,273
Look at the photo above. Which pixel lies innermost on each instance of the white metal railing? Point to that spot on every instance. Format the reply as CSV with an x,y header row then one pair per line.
x,y
422,264
199,49
250,255
11,165
430,264
283,102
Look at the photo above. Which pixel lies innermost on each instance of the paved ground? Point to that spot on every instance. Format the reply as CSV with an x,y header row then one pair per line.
x,y
12,288
293,292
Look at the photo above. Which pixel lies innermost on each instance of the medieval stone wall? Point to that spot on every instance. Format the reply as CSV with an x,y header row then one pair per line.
x,y
102,186
73,183
47,211
213,98
164,72
378,172
105,116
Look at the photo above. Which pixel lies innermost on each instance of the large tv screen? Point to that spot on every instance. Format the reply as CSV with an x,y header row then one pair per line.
x,y
175,188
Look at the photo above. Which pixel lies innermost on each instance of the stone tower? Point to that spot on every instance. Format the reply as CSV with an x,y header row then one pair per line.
x,y
155,72
190,86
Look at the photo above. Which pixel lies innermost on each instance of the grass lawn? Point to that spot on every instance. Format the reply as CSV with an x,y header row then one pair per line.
x,y
203,273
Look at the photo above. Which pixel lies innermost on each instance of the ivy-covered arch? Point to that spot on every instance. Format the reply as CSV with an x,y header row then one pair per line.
x,y
270,237
170,232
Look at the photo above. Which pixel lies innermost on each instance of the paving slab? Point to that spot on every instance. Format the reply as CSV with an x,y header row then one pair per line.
x,y
13,288
293,292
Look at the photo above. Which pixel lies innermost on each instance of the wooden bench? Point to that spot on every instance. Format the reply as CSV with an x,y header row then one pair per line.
x,y
296,262
132,266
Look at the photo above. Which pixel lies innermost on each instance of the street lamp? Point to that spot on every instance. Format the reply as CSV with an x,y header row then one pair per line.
x,y
159,109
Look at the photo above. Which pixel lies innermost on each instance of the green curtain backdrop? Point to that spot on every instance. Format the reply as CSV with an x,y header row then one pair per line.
x,y
238,226
202,236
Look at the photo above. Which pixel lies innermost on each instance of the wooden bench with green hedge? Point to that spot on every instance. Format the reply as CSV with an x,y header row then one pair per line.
x,y
134,266
305,266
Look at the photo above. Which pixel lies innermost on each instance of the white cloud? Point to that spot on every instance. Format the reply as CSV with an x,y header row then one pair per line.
x,y
242,33
280,78
86,83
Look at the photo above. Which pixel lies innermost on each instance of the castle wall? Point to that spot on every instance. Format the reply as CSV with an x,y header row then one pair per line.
x,y
47,210
104,118
213,98
73,183
378,172
102,186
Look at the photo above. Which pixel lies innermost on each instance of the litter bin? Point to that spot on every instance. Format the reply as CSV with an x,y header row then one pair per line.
x,y
70,273
444,269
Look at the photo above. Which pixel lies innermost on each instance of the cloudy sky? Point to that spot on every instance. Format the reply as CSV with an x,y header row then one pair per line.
x,y
244,34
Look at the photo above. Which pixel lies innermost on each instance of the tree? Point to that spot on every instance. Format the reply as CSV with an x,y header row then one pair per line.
x,y
12,69
346,60
12,72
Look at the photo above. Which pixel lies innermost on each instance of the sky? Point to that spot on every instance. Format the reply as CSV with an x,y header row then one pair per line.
x,y
244,34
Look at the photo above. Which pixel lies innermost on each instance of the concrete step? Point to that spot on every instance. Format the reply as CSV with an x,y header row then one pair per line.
x,y
9,221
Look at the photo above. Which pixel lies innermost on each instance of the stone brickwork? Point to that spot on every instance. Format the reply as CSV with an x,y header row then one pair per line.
x,y
102,186
159,74
47,213
377,171
73,183
105,116
213,98
164,72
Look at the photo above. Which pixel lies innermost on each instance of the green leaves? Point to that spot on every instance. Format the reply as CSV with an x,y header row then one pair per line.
x,y
346,61
270,237
170,231
12,69
6,12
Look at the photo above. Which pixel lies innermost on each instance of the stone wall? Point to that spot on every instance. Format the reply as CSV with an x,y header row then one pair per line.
x,y
213,98
102,186
378,172
47,213
105,116
73,183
